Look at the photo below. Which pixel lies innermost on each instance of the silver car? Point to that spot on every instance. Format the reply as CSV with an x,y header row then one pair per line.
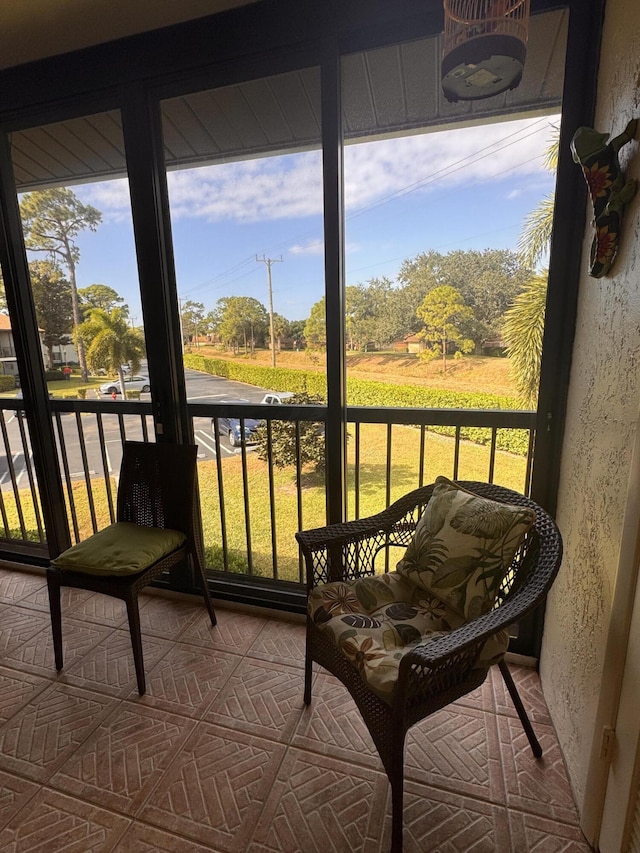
x,y
131,383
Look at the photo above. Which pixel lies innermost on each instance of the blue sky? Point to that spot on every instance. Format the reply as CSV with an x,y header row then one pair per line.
x,y
467,188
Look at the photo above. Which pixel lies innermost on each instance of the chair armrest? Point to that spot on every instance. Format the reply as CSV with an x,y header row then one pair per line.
x,y
436,653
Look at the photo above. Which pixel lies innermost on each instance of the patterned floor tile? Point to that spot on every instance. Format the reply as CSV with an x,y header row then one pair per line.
x,y
15,586
14,794
235,632
40,737
261,698
141,838
187,679
69,598
449,823
532,834
16,690
527,681
102,609
55,823
109,667
482,697
319,805
332,725
36,654
19,624
281,642
539,786
167,617
121,761
215,790
457,749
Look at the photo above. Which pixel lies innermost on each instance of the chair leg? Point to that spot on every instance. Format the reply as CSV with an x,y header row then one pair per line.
x,y
53,587
517,701
136,640
205,589
308,668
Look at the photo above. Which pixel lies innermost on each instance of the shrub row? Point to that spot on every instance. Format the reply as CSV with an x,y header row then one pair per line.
x,y
366,392
7,383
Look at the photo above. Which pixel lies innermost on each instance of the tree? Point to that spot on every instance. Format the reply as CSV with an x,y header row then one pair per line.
x,y
523,332
442,311
280,329
99,296
51,219
488,280
535,237
524,322
284,446
110,342
315,329
241,318
192,320
52,298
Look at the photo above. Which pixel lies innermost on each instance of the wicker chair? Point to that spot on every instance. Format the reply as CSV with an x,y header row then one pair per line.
x,y
432,675
156,528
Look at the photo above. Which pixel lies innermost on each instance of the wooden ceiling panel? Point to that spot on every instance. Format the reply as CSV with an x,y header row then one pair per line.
x,y
391,90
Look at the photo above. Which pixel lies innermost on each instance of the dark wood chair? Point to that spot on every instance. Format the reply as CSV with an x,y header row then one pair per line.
x,y
156,527
432,675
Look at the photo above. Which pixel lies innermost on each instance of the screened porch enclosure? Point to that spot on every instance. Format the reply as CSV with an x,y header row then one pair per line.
x,y
306,107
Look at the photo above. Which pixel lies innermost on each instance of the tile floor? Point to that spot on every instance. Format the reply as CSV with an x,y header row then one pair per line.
x,y
221,754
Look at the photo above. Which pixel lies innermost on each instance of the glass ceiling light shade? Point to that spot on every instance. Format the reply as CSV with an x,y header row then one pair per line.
x,y
485,46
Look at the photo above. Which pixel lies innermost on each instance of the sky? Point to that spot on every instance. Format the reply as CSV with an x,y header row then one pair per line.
x,y
467,188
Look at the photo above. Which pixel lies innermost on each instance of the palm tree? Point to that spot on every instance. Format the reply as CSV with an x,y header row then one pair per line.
x,y
110,342
524,321
523,330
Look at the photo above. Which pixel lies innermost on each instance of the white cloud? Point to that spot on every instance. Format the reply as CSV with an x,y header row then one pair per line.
x,y
314,248
290,186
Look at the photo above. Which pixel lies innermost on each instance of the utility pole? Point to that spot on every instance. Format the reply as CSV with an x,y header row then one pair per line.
x,y
269,262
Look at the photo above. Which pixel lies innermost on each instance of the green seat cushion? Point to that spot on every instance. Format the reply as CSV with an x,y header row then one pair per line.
x,y
121,549
463,547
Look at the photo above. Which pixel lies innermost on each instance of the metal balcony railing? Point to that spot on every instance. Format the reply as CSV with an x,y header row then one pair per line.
x,y
250,507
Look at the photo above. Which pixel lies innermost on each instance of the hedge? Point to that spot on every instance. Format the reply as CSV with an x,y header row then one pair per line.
x,y
366,392
7,383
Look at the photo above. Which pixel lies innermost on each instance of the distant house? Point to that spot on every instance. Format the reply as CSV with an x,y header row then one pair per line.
x,y
414,343
8,361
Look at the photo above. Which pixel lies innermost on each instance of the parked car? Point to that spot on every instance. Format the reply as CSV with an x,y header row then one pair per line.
x,y
230,426
131,383
276,398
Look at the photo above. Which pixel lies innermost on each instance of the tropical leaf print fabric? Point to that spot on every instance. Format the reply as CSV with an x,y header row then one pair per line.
x,y
463,547
375,621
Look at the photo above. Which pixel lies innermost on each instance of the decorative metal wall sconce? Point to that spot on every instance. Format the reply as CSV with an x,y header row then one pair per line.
x,y
609,191
485,46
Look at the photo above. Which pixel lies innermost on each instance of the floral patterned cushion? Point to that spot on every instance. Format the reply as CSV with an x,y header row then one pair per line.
x,y
374,621
463,547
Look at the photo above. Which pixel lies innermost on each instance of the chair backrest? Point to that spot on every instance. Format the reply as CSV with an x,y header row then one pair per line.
x,y
157,485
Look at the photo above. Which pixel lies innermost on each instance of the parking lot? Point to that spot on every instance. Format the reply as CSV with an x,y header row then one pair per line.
x,y
201,388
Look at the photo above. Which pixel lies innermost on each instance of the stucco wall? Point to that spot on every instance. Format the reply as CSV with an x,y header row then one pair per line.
x,y
603,404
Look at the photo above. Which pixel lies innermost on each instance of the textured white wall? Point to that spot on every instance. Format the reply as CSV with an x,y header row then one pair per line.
x,y
604,396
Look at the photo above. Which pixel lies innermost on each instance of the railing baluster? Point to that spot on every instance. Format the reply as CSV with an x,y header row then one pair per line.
x,y
245,497
529,470
87,474
67,476
388,488
105,467
3,511
357,474
272,504
223,516
422,446
26,444
492,453
145,429
123,433
12,474
456,454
